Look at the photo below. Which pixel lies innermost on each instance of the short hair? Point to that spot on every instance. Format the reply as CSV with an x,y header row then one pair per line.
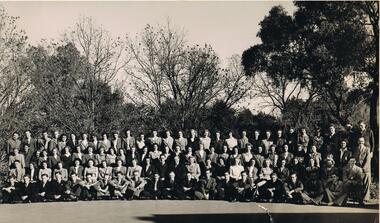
x,y
44,174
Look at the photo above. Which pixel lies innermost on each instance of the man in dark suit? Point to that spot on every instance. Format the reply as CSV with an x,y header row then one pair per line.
x,y
162,167
178,168
274,189
171,187
43,143
293,189
187,188
218,143
153,188
207,188
26,190
74,187
342,156
9,194
148,169
225,188
43,189
331,142
244,188
58,188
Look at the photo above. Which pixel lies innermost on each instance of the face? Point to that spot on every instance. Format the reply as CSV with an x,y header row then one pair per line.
x,y
217,135
90,163
154,133
90,150
171,175
134,163
56,134
293,177
26,179
208,173
60,165
84,136
283,163
361,141
58,177
332,129
362,126
244,133
351,162
104,163
180,134
343,144
64,138
291,130
244,175
257,134
28,134
274,177
286,148
128,132
314,149
44,165
44,178
15,136
230,134
176,159
167,133
156,176
119,163
31,166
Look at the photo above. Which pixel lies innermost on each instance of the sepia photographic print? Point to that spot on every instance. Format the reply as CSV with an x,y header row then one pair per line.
x,y
189,111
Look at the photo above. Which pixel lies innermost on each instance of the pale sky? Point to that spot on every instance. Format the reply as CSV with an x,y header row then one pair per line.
x,y
229,27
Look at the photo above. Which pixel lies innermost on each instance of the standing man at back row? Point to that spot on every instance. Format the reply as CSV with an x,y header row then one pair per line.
x,y
369,141
362,156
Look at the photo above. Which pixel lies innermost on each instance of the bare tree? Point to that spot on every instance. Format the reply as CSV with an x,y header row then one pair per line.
x,y
105,59
236,84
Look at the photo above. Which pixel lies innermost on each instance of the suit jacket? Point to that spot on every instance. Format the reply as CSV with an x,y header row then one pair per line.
x,y
169,142
53,161
355,173
148,172
243,142
118,144
193,143
218,145
26,190
72,144
122,169
32,144
342,161
297,186
79,172
53,143
182,143
13,144
149,187
201,158
363,159
129,142
208,185
369,139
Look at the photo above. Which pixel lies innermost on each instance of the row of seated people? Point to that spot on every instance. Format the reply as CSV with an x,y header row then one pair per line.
x,y
263,189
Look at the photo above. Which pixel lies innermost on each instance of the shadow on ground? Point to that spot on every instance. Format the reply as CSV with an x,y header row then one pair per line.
x,y
264,218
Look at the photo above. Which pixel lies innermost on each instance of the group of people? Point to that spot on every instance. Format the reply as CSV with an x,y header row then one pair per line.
x,y
323,169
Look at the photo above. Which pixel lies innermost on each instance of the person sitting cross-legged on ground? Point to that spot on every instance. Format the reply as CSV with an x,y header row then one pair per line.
x,y
353,182
9,191
243,188
119,184
334,194
153,188
274,189
293,189
104,187
207,188
187,188
135,187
